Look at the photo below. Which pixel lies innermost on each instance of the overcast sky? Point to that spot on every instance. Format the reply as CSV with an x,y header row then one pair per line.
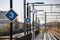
x,y
18,6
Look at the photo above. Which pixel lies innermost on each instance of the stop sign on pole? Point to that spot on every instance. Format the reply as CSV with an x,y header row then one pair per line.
x,y
34,11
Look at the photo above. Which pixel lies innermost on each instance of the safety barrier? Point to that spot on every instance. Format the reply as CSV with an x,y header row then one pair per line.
x,y
26,37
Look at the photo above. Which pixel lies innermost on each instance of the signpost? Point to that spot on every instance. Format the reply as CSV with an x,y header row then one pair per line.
x,y
27,20
34,11
11,15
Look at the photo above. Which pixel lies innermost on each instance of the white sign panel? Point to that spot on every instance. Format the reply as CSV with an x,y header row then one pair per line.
x,y
34,11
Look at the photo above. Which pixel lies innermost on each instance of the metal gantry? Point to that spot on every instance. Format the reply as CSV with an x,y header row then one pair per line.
x,y
33,14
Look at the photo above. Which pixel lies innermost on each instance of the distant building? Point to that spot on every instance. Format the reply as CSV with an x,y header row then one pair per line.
x,y
3,19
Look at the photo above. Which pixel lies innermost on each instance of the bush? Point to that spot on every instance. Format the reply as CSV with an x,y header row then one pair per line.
x,y
6,28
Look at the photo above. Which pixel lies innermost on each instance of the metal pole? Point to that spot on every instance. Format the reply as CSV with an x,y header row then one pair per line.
x,y
33,22
45,21
33,18
24,17
11,23
36,18
27,17
38,23
51,7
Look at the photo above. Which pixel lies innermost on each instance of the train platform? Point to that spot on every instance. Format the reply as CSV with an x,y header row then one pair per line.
x,y
45,36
